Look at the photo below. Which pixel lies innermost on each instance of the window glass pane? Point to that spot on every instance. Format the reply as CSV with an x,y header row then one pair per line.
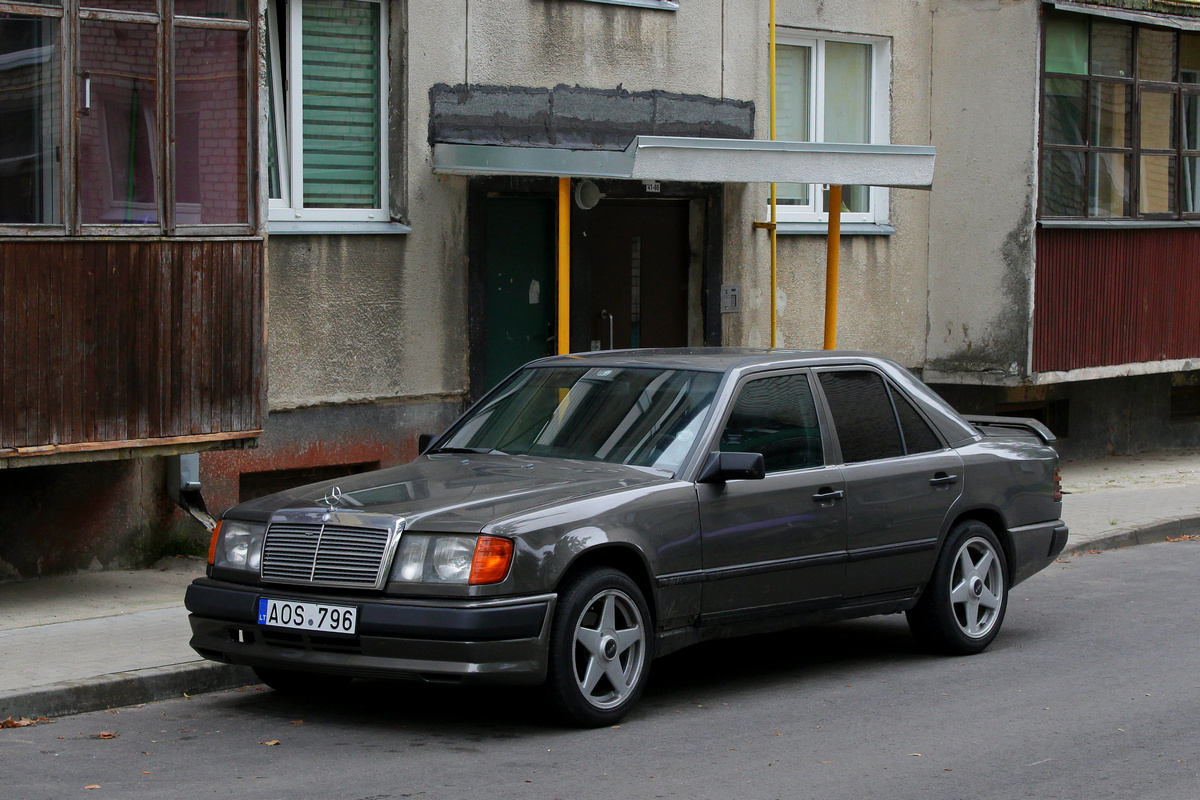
x,y
1156,54
776,417
1066,43
847,92
1189,57
1062,183
1109,194
1158,120
793,71
211,166
1156,189
1191,185
118,153
212,9
1191,122
855,199
1063,123
918,436
342,93
30,108
862,414
1112,49
1110,114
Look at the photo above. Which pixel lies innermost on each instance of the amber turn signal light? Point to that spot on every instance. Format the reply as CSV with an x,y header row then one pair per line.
x,y
493,556
212,543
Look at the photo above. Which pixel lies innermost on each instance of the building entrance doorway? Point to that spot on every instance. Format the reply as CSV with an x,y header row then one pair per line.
x,y
634,276
645,272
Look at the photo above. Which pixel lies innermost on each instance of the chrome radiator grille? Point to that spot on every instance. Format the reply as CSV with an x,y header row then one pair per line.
x,y
332,555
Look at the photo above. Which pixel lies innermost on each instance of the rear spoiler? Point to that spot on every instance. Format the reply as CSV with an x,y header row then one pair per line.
x,y
1016,423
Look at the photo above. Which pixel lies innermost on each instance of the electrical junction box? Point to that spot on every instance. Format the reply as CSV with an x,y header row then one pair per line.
x,y
731,298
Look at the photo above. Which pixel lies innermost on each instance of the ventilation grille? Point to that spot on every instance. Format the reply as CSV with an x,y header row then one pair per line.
x,y
327,555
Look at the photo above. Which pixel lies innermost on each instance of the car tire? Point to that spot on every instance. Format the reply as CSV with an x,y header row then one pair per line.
x,y
600,648
292,682
963,605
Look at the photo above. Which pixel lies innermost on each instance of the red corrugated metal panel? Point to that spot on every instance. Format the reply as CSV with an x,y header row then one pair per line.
x,y
1115,296
129,340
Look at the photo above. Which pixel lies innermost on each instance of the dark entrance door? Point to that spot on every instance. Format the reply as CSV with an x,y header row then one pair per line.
x,y
630,274
520,283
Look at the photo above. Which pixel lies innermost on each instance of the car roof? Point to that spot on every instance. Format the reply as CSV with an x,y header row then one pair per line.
x,y
712,359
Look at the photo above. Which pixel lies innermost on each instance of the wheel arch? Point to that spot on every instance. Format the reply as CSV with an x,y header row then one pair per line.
x,y
622,557
993,519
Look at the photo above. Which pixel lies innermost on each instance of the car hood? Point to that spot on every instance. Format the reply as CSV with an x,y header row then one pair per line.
x,y
456,492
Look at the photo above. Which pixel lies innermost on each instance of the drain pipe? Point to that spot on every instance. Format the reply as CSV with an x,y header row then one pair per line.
x,y
183,486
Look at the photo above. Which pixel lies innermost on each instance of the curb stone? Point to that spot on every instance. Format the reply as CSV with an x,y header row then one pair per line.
x,y
1159,531
123,689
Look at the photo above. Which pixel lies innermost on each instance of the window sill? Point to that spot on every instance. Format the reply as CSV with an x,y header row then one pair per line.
x,y
281,227
661,5
1119,223
822,229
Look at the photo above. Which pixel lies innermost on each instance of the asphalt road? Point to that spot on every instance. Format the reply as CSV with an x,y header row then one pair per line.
x,y
1092,690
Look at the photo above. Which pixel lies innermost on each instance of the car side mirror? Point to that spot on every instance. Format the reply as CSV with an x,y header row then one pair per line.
x,y
721,467
423,442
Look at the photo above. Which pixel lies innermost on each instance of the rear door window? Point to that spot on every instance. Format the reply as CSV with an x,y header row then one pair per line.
x,y
862,415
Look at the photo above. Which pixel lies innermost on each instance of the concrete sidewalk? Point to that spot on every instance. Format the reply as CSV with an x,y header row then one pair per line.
x,y
89,641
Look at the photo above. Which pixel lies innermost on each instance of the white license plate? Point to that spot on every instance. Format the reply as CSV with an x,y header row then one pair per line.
x,y
307,616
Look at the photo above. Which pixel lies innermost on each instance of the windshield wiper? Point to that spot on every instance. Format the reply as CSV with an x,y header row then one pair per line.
x,y
486,451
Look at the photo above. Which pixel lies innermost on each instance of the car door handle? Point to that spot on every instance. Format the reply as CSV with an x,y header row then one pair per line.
x,y
942,479
826,495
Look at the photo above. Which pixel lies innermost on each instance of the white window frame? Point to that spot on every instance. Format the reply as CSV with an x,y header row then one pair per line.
x,y
880,125
289,207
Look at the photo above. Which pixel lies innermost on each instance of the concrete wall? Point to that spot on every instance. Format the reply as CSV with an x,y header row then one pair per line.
x,y
984,110
883,279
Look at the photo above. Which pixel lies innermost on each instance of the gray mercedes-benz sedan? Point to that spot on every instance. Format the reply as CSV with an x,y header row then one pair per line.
x,y
595,511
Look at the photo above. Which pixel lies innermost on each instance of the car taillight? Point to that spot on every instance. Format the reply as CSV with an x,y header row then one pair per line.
x,y
212,544
1057,486
493,556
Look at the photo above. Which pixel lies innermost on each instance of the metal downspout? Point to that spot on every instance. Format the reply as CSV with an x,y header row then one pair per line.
x,y
564,266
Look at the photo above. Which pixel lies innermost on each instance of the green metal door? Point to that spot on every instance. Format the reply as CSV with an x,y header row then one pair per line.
x,y
520,283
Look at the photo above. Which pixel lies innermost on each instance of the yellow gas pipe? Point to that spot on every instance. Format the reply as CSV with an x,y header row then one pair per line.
x,y
564,266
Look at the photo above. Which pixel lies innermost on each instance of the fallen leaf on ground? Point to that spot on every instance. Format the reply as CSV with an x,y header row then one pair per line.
x,y
271,743
297,722
16,723
145,773
106,735
93,786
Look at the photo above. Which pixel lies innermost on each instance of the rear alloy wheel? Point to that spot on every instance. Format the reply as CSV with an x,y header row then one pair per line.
x,y
599,648
963,605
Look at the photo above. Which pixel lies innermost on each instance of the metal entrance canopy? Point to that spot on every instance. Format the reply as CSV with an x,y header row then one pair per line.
x,y
695,159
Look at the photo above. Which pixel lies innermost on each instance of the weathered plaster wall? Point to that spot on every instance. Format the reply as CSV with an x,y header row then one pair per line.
x,y
882,278
984,110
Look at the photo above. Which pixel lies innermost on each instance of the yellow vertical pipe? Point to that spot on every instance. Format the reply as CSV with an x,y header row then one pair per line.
x,y
774,249
564,266
832,254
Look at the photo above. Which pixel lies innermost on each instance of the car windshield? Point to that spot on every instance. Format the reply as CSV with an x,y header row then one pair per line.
x,y
638,416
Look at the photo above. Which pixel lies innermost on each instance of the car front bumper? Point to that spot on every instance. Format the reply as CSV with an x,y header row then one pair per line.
x,y
455,641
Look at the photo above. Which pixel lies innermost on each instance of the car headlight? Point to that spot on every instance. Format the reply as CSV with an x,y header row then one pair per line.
x,y
451,558
237,545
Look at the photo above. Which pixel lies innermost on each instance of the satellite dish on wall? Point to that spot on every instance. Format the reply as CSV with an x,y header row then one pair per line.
x,y
587,194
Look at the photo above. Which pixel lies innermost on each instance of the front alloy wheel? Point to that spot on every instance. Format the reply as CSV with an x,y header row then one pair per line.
x,y
599,649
